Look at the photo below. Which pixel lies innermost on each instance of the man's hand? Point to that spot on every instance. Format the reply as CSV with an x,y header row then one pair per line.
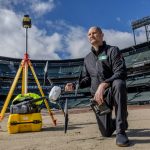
x,y
69,87
100,92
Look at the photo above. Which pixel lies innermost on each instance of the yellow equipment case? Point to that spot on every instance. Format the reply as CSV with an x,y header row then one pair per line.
x,y
24,122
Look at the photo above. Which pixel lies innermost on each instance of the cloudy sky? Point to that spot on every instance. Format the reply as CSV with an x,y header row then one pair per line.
x,y
59,27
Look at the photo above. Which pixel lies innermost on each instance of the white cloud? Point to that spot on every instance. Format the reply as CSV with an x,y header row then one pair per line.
x,y
42,7
39,7
76,42
44,46
10,4
68,42
140,35
118,38
12,35
78,46
122,39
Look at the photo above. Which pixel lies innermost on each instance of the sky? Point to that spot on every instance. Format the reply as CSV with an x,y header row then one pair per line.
x,y
59,27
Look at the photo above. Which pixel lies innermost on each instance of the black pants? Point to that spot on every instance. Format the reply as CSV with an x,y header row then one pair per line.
x,y
116,96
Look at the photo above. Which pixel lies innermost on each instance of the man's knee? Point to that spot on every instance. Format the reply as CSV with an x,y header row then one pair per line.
x,y
119,91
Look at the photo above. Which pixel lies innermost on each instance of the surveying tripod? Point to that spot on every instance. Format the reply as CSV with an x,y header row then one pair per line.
x,y
25,63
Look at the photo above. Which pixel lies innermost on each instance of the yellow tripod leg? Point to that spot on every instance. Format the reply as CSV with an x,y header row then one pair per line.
x,y
25,78
42,93
11,91
23,81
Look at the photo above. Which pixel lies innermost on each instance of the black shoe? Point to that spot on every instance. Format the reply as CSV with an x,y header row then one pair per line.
x,y
122,139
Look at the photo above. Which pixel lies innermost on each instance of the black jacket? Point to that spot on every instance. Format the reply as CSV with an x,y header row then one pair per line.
x,y
106,66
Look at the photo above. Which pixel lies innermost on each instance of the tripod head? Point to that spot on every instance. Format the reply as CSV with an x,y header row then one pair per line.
x,y
26,21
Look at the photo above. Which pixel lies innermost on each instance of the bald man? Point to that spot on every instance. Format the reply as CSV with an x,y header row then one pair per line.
x,y
104,69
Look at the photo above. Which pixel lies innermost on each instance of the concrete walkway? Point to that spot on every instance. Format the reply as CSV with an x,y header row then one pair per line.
x,y
83,133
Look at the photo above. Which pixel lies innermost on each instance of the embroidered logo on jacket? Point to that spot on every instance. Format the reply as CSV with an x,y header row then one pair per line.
x,y
102,57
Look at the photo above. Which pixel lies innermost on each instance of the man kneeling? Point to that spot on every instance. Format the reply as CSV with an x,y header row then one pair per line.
x,y
104,69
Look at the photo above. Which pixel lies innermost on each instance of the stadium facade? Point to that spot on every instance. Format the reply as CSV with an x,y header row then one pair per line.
x,y
62,71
